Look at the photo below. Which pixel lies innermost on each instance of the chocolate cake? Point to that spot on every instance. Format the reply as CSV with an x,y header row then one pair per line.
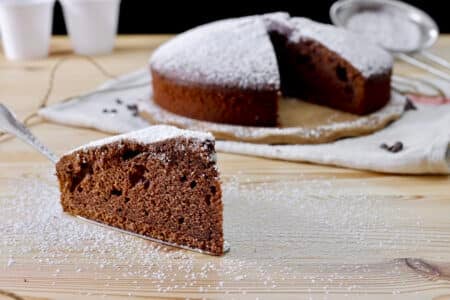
x,y
233,71
160,182
224,72
330,66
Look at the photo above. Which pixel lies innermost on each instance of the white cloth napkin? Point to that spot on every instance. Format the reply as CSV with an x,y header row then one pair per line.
x,y
424,133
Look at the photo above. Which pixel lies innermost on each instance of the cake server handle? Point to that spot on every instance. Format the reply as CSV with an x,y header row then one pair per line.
x,y
10,124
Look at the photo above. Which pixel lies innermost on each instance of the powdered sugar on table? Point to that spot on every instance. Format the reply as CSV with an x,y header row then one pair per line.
x,y
345,229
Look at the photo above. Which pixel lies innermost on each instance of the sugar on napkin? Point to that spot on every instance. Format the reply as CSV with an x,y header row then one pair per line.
x,y
422,134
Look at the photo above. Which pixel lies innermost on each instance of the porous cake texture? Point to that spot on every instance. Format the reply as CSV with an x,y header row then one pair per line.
x,y
160,182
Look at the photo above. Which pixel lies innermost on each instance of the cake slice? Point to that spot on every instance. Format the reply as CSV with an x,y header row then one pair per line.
x,y
160,182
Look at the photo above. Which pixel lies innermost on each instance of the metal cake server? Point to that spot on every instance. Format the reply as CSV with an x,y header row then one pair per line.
x,y
10,124
342,10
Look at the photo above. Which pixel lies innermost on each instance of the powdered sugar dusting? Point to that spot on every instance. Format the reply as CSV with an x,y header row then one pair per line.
x,y
233,52
150,135
238,52
279,22
285,235
362,53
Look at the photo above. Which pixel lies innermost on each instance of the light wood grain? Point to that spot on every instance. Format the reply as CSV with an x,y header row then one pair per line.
x,y
359,234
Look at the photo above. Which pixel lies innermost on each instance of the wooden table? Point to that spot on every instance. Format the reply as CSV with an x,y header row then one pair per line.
x,y
404,253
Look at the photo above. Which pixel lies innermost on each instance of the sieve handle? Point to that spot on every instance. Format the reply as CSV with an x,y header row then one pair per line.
x,y
439,60
421,65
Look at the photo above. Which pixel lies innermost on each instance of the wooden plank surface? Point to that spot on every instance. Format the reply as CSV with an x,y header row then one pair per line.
x,y
298,231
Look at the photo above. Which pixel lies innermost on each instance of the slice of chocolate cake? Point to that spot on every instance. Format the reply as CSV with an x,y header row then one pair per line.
x,y
160,182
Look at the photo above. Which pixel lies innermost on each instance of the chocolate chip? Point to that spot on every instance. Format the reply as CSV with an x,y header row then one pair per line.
x,y
104,111
118,101
132,107
114,111
410,105
396,147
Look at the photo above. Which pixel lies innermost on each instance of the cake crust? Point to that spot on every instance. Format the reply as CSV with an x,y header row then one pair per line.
x,y
216,103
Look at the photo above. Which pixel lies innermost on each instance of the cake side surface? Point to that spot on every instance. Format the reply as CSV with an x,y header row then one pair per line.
x,y
224,72
167,190
216,104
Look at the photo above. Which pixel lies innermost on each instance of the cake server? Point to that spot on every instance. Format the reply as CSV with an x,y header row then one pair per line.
x,y
10,124
343,10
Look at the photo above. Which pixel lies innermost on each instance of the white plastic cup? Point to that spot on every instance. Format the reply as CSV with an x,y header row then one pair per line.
x,y
92,24
26,27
